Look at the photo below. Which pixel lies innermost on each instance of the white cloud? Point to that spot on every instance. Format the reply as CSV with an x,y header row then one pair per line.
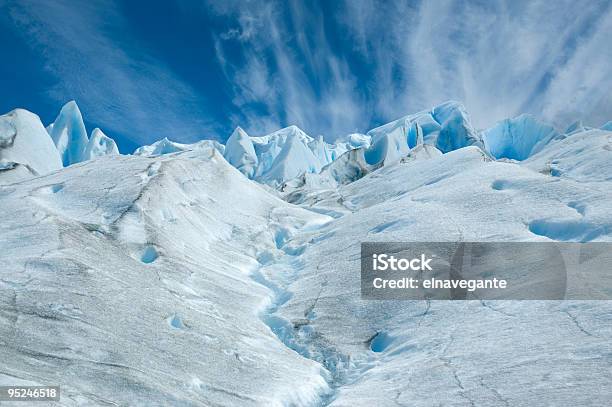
x,y
501,58
289,71
284,66
582,87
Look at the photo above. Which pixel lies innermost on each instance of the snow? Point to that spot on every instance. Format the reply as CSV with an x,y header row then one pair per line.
x,y
582,156
11,172
139,287
166,146
38,150
170,278
69,134
575,127
321,151
387,145
389,142
25,143
99,144
268,147
280,136
350,167
419,352
358,140
446,126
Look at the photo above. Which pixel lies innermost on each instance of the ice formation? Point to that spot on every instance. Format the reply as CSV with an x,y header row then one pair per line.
x,y
518,138
282,155
289,153
100,144
239,152
69,134
25,145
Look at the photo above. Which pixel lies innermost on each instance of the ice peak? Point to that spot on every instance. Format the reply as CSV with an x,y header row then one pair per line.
x,y
239,132
442,110
100,144
295,129
240,152
290,131
71,105
69,134
294,159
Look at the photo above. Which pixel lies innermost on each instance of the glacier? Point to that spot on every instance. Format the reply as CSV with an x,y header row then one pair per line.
x,y
210,274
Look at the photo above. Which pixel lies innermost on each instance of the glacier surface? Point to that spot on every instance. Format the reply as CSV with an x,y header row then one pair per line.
x,y
178,275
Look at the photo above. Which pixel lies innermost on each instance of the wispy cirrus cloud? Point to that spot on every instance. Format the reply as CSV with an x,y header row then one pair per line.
x,y
501,58
285,72
89,49
190,70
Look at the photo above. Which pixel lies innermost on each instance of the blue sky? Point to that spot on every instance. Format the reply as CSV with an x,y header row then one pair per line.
x,y
187,70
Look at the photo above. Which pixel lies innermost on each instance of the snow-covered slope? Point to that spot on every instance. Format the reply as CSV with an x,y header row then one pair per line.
x,y
581,156
171,278
140,288
25,147
472,353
